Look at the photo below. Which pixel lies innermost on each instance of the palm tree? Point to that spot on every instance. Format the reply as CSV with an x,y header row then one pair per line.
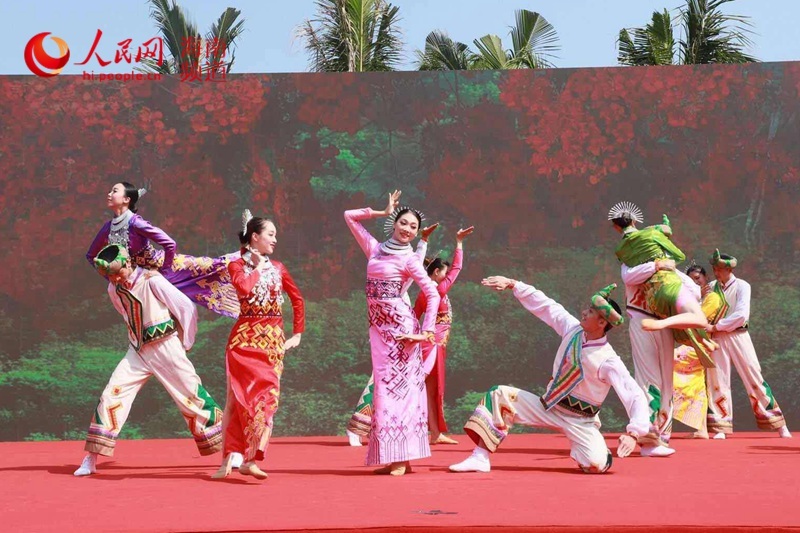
x,y
709,36
186,50
443,53
533,41
353,36
652,45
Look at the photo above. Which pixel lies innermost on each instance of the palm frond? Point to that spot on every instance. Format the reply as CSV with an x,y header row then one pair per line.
x,y
223,36
491,54
443,53
533,40
711,36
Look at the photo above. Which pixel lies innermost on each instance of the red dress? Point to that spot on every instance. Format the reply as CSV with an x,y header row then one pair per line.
x,y
254,356
444,320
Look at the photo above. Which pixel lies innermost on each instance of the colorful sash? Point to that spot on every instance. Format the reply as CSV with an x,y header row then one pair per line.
x,y
135,322
569,374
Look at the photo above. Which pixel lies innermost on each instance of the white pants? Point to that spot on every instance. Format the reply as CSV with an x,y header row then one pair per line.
x,y
737,348
504,406
166,360
653,362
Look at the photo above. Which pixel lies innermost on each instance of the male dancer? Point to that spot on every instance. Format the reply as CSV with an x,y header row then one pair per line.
x,y
162,323
585,368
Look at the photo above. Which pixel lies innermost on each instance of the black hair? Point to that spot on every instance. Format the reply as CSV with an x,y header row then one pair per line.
x,y
131,192
109,253
432,265
696,268
616,308
622,222
255,225
409,210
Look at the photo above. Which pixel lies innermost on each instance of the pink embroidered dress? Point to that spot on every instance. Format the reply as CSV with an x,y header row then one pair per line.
x,y
399,429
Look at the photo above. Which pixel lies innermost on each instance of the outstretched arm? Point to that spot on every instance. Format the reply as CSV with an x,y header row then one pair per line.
x,y
545,309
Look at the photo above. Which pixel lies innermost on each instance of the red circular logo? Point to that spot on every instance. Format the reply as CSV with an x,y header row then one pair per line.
x,y
35,56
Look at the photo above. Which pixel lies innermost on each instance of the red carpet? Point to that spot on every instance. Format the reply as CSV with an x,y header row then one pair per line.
x,y
748,481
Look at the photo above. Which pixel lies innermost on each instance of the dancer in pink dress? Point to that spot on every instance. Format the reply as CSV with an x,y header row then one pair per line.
x,y
399,431
444,275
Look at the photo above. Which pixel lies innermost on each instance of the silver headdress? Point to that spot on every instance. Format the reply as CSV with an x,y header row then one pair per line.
x,y
247,216
142,192
689,267
388,226
623,209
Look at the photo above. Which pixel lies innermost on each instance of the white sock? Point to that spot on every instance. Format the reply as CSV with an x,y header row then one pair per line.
x,y
481,453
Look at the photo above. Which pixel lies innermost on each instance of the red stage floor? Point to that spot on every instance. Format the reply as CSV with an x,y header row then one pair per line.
x,y
750,480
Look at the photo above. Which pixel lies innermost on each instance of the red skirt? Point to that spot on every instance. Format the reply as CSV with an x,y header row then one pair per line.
x,y
254,363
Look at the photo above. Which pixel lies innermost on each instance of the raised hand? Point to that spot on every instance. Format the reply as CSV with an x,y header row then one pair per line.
x,y
426,232
462,233
394,202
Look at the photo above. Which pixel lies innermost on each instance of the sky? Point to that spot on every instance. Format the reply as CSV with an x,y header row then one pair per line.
x,y
587,29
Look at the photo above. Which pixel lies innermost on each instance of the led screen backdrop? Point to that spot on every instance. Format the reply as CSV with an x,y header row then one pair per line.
x,y
533,159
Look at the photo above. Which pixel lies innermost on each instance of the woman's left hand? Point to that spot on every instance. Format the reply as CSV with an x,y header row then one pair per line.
x,y
292,342
464,233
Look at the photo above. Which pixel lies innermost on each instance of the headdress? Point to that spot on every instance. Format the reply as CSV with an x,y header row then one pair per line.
x,y
247,216
690,266
117,263
628,209
388,226
717,260
141,192
601,304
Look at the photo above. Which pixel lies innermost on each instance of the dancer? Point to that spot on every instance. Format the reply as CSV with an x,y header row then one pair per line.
x,y
665,293
204,280
735,346
361,420
399,432
585,368
690,397
162,323
435,355
256,346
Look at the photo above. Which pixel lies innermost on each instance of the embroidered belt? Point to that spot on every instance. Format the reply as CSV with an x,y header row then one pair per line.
x,y
382,289
578,407
270,308
149,257
444,318
158,331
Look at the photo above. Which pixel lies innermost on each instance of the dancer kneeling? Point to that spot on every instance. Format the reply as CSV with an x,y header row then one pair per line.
x,y
162,323
585,368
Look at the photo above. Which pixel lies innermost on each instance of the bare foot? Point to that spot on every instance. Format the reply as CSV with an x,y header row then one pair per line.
x,y
394,469
443,439
700,435
251,469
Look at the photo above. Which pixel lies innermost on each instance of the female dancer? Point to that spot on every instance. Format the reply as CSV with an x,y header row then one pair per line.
x,y
690,398
204,280
666,295
399,431
361,419
254,356
444,275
